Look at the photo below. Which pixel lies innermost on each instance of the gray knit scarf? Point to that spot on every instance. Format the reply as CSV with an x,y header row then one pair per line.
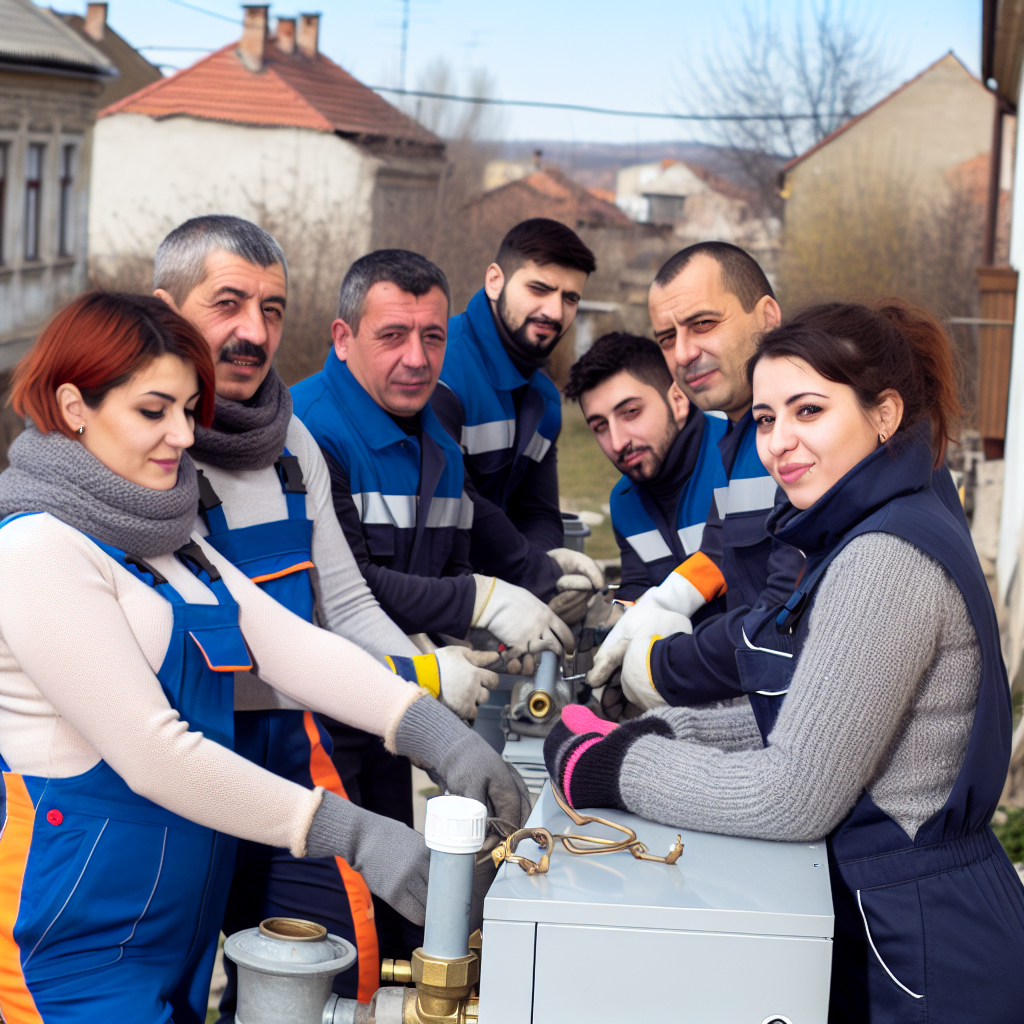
x,y
245,436
53,473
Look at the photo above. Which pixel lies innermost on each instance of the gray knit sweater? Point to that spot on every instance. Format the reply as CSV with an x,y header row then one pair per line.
x,y
882,699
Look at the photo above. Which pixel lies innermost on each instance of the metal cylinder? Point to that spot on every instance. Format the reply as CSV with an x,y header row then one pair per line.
x,y
286,970
543,697
454,832
574,531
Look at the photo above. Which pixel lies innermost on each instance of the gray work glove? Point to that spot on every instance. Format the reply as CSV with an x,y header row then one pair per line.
x,y
462,761
392,858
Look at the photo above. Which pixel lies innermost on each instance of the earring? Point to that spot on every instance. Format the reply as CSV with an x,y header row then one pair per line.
x,y
81,430
881,437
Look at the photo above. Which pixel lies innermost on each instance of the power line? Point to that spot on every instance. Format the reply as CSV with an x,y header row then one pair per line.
x,y
203,10
487,101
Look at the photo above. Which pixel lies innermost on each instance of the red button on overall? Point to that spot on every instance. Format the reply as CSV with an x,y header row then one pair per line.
x,y
54,817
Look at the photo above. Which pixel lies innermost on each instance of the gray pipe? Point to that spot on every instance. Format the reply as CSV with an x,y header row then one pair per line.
x,y
542,699
449,892
454,831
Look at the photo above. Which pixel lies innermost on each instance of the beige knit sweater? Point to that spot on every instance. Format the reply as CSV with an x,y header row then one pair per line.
x,y
81,641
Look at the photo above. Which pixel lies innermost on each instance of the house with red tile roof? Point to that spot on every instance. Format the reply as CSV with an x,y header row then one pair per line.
x,y
267,128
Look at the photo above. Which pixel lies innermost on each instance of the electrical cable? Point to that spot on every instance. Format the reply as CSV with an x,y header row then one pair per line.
x,y
203,10
547,105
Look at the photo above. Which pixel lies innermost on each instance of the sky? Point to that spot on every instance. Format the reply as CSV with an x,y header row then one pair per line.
x,y
636,55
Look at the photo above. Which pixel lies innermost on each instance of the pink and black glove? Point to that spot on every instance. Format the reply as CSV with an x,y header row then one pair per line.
x,y
584,754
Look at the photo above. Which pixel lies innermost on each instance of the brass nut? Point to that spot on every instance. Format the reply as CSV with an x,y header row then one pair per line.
x,y
397,971
438,973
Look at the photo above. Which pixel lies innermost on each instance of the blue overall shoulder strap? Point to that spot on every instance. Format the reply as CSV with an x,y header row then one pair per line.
x,y
290,473
211,508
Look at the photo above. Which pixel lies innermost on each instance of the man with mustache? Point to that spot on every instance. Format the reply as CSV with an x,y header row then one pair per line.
x,y
396,475
665,448
498,404
265,503
708,305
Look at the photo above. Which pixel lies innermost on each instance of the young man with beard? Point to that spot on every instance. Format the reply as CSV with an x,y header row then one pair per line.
x,y
266,505
665,447
498,404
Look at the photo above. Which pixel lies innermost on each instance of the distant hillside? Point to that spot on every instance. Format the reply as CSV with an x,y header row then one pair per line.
x,y
595,164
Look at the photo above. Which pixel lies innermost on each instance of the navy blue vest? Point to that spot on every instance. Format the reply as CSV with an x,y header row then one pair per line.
x,y
498,443
896,898
635,515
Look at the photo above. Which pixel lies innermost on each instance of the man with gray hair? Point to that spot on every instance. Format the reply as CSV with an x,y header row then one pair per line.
x,y
265,503
396,474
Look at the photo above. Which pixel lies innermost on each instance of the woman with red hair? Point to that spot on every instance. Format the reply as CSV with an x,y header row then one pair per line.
x,y
120,633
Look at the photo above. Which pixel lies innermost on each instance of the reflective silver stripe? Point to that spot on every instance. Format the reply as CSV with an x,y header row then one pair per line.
x,y
871,942
376,509
765,650
465,512
649,546
751,494
443,512
537,448
722,501
691,537
488,437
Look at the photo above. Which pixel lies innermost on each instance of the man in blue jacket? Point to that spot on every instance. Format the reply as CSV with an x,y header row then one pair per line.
x,y
396,475
708,304
665,448
502,409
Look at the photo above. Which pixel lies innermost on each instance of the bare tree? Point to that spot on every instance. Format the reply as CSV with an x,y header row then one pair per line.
x,y
797,83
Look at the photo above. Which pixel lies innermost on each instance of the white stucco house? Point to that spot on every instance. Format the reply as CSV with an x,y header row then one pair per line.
x,y
269,129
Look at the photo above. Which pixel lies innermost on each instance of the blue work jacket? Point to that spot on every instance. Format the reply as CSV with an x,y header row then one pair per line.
x,y
400,499
507,426
651,546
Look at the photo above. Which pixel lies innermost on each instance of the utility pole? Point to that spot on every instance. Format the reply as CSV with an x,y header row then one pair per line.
x,y
405,39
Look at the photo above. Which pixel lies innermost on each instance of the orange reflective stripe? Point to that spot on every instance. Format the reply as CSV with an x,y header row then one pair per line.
x,y
650,648
283,572
16,1002
699,570
323,772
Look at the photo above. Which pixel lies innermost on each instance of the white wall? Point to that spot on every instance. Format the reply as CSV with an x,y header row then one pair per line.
x,y
1013,485
149,176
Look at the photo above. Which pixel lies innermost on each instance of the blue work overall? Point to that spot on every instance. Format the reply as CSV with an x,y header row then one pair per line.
x,y
109,904
270,882
929,929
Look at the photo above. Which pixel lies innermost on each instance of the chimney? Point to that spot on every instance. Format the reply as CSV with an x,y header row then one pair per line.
x,y
309,34
96,21
254,36
286,35
537,154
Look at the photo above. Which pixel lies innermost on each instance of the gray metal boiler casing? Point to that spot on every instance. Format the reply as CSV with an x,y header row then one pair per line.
x,y
739,931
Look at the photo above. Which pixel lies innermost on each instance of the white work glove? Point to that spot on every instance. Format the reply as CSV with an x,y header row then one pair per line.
x,y
575,563
466,677
518,618
580,577
664,609
636,674
642,620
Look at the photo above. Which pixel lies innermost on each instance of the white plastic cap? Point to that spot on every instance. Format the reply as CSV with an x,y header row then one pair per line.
x,y
455,824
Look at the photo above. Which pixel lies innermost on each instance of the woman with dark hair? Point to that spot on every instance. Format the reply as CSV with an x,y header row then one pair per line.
x,y
120,633
879,712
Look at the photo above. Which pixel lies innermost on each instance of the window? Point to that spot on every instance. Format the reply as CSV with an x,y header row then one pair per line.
x,y
65,236
3,200
33,198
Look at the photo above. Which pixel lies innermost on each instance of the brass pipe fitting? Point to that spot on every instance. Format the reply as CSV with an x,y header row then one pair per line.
x,y
397,972
539,703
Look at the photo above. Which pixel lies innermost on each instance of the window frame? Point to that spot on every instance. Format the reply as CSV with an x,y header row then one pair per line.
x,y
65,213
32,249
